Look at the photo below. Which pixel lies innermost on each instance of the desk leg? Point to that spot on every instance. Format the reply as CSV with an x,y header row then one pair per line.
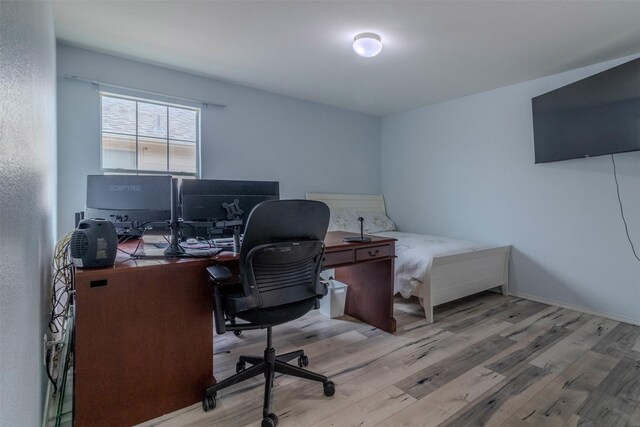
x,y
370,293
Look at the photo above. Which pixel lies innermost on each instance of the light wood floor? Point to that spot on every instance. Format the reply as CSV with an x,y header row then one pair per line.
x,y
488,360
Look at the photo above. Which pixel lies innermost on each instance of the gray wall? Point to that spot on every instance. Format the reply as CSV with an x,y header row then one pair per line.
x,y
27,197
466,168
259,135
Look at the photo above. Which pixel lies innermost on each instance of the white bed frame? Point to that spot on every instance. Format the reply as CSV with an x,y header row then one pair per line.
x,y
448,277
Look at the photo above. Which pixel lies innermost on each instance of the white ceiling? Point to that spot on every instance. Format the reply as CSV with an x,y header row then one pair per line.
x,y
433,50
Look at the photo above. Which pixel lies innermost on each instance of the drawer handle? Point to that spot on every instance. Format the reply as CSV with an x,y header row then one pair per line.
x,y
373,253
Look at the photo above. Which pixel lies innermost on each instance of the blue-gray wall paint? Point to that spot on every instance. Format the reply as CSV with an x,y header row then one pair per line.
x,y
461,168
27,200
259,135
465,168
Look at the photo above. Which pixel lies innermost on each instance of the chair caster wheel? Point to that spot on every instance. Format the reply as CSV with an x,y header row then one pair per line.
x,y
329,388
237,333
303,361
270,421
208,403
240,366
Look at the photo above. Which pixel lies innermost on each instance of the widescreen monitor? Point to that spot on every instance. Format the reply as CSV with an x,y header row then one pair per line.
x,y
205,200
129,199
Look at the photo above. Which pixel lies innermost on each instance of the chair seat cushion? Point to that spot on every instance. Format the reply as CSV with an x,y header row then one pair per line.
x,y
233,302
278,314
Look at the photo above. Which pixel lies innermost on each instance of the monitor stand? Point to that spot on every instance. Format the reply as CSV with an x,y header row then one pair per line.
x,y
174,249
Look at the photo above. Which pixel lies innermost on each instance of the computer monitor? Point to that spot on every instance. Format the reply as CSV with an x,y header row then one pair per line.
x,y
139,200
205,200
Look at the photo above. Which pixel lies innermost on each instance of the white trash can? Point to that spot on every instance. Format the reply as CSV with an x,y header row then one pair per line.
x,y
332,304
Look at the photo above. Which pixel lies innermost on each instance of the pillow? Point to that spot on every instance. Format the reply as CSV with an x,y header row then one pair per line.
x,y
343,220
347,220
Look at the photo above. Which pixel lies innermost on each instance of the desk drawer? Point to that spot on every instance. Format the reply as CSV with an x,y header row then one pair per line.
x,y
337,257
373,252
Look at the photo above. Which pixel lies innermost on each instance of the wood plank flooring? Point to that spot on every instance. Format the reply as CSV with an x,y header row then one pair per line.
x,y
488,360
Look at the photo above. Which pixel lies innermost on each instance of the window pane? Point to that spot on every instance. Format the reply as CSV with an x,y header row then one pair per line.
x,y
152,154
182,156
118,151
142,135
152,120
182,124
118,115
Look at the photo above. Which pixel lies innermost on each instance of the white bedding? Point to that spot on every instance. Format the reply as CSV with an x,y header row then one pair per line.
x,y
414,253
437,269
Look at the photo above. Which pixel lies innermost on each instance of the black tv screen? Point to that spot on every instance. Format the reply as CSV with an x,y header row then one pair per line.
x,y
594,116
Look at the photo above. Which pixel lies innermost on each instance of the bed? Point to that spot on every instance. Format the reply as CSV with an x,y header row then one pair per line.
x,y
436,269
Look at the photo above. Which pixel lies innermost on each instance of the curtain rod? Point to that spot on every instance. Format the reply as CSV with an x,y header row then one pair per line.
x,y
206,104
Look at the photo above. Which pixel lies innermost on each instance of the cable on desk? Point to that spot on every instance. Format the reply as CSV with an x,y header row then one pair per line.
x,y
124,239
132,254
208,242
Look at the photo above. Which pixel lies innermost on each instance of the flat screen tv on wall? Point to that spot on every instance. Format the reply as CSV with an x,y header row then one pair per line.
x,y
594,116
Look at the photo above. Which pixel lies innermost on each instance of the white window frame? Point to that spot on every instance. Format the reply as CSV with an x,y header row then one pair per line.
x,y
108,171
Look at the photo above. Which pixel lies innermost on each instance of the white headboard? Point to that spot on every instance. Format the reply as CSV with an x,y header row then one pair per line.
x,y
360,202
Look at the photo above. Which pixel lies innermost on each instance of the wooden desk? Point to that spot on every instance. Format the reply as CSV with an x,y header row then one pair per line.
x,y
367,268
143,340
144,328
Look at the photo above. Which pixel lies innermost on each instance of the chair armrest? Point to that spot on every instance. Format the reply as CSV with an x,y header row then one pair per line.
x,y
322,288
219,273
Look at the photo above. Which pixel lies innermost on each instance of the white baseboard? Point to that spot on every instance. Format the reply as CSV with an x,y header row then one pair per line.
x,y
575,308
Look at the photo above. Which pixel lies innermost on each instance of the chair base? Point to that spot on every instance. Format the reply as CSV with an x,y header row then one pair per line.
x,y
267,365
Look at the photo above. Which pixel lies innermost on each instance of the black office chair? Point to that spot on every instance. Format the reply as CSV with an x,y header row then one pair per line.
x,y
280,261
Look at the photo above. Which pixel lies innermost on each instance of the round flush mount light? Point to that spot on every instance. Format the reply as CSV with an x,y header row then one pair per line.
x,y
367,44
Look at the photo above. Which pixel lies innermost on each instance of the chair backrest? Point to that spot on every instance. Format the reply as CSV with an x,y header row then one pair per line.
x,y
282,249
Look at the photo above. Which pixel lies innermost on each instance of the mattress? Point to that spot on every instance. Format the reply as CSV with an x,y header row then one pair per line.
x,y
414,254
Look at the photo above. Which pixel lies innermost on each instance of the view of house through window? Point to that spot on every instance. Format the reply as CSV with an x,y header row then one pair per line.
x,y
142,136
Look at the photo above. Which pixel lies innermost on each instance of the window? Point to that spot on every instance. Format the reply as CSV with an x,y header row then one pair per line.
x,y
147,137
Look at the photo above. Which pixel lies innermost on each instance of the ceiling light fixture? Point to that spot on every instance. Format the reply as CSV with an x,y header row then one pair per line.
x,y
367,44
